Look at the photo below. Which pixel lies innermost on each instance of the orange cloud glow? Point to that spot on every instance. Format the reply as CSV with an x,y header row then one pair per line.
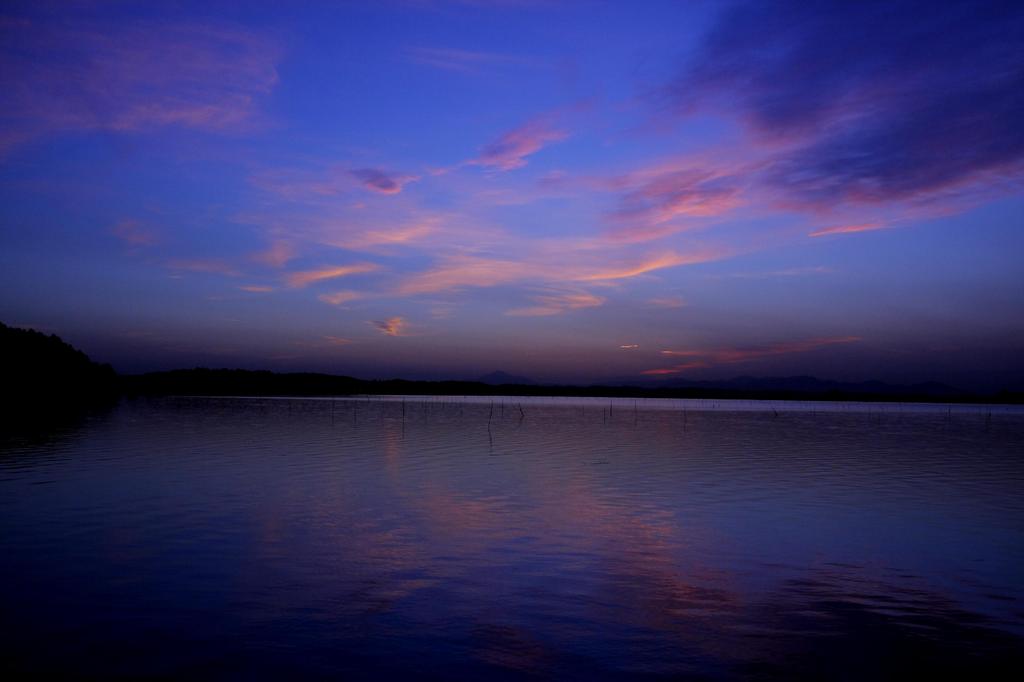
x,y
463,271
277,256
666,260
667,302
393,326
848,229
557,304
722,356
337,340
340,297
123,80
134,233
210,265
510,150
307,277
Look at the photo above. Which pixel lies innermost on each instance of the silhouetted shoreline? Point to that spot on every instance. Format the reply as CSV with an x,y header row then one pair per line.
x,y
45,372
228,382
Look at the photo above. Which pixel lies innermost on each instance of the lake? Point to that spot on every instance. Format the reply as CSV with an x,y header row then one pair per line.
x,y
514,538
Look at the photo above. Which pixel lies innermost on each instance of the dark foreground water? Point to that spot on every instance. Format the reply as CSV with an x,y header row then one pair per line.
x,y
273,539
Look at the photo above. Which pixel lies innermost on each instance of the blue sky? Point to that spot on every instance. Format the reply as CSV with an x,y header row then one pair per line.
x,y
572,191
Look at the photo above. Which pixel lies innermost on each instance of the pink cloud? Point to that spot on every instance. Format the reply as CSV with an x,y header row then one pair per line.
x,y
726,356
277,255
667,302
463,61
340,297
370,238
208,265
307,277
462,271
668,259
556,304
457,272
675,369
257,288
337,341
133,78
393,326
691,192
376,180
848,229
134,233
510,150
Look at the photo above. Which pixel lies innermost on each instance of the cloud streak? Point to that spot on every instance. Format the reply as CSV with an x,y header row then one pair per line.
x,y
511,150
340,297
134,233
381,182
556,304
307,277
59,79
393,326
929,103
459,272
701,359
463,61
848,229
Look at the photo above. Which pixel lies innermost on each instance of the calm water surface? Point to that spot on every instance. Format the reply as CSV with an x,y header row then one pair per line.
x,y
448,539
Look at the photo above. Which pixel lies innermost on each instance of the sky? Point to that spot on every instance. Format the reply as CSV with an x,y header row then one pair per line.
x,y
568,191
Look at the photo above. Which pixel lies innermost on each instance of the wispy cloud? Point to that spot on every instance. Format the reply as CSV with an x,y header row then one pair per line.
x,y
257,288
787,272
457,272
629,346
277,255
463,61
646,211
467,271
556,304
307,277
668,259
929,105
511,150
81,76
134,233
704,358
207,265
667,302
393,326
382,182
340,297
337,341
849,229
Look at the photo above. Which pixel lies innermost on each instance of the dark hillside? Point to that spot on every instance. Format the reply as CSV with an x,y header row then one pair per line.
x,y
36,368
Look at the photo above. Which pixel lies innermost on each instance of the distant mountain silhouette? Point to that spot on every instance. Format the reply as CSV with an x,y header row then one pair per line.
x,y
498,378
40,372
228,382
809,384
36,367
